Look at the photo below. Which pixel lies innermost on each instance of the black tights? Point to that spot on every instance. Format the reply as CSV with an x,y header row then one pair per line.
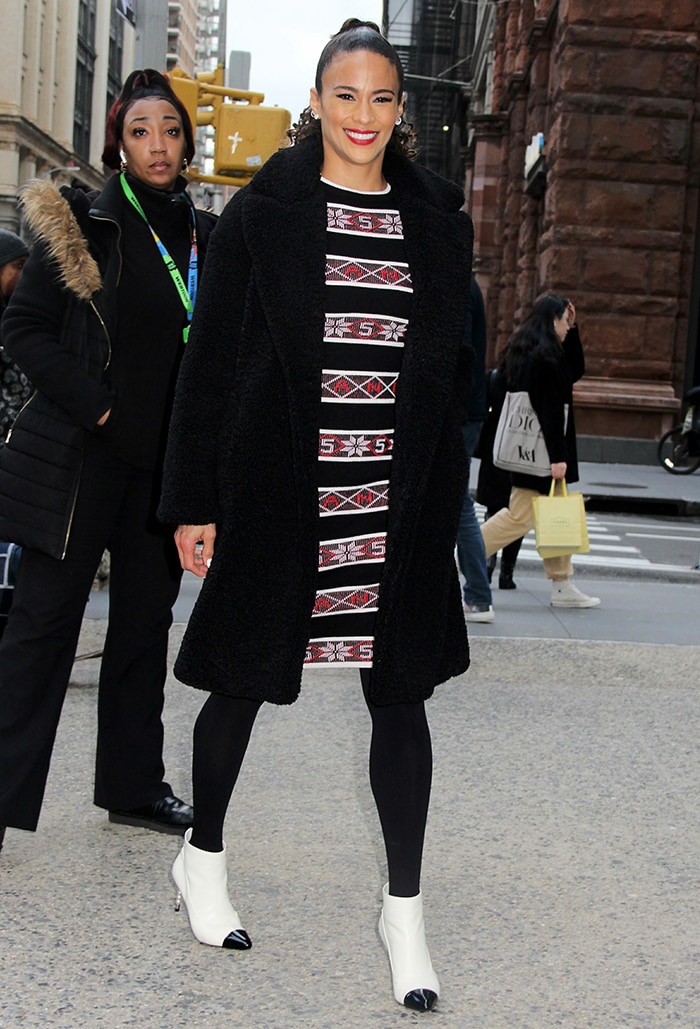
x,y
400,772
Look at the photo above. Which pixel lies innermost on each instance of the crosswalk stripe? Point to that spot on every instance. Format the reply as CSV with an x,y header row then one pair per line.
x,y
606,547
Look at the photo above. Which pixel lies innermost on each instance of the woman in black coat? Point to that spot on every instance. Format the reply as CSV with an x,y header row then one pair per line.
x,y
493,484
98,323
328,513
544,358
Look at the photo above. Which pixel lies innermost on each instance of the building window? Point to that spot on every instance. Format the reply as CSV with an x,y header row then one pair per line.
x,y
116,52
84,77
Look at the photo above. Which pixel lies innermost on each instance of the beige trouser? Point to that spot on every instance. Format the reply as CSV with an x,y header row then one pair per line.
x,y
514,521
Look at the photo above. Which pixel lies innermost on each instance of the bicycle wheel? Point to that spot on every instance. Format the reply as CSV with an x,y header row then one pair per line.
x,y
673,453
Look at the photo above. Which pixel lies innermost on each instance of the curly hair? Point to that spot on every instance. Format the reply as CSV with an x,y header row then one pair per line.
x,y
140,85
357,35
534,340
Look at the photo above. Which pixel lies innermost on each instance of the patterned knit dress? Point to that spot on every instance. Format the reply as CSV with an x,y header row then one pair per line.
x,y
368,299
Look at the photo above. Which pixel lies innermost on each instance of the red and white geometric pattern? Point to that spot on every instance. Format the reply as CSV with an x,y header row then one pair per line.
x,y
353,499
365,328
360,221
362,550
336,385
333,445
349,598
341,271
356,652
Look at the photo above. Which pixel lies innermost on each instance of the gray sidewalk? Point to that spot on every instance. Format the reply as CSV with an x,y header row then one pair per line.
x,y
643,484
634,483
561,867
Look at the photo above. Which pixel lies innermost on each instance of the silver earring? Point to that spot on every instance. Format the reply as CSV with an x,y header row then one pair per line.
x,y
314,116
122,158
398,120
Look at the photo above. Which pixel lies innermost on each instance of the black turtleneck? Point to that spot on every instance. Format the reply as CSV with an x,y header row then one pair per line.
x,y
150,317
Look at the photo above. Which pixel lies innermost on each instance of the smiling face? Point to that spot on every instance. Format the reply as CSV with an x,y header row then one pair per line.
x,y
358,107
153,142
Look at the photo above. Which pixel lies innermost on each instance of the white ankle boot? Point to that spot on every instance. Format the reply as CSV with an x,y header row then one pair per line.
x,y
402,931
201,881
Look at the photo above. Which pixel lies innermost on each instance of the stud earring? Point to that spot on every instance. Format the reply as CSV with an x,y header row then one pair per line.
x,y
122,158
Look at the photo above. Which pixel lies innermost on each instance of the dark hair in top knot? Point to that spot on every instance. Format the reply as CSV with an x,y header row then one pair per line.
x,y
357,35
140,85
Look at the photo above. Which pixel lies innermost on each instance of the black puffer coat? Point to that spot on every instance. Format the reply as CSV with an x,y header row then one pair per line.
x,y
59,327
244,439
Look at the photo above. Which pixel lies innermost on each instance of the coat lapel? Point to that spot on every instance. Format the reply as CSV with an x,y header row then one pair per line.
x,y
438,253
287,246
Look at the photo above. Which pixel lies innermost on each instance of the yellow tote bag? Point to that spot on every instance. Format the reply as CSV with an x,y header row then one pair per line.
x,y
560,523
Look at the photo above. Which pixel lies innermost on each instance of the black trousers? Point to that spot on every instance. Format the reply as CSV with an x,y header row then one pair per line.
x,y
115,509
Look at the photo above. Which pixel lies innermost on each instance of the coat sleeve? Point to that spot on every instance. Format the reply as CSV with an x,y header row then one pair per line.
x,y
477,404
549,394
197,437
33,334
573,351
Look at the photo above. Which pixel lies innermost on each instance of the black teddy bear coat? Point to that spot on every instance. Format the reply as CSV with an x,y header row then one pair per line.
x,y
243,441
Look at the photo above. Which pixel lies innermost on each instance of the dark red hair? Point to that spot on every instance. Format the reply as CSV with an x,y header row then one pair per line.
x,y
140,85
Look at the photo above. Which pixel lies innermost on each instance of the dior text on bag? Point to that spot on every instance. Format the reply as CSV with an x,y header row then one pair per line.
x,y
519,444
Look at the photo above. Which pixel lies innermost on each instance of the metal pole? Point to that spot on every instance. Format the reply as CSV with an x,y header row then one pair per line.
x,y
151,40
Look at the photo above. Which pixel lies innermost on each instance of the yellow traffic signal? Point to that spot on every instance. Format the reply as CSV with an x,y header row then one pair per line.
x,y
246,135
187,91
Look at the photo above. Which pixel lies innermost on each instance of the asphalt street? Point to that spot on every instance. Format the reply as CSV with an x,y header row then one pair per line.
x,y
561,866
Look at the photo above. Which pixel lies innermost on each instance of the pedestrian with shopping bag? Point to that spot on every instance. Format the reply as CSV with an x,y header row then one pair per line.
x,y
536,436
493,484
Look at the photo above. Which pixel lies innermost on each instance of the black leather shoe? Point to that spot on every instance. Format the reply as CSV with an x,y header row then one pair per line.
x,y
169,815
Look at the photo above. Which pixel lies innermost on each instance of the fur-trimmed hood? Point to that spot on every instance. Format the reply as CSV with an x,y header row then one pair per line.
x,y
50,218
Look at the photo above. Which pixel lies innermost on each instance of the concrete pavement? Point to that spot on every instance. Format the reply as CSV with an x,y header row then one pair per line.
x,y
623,486
561,867
643,485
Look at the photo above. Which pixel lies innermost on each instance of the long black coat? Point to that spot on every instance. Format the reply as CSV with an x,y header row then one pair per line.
x,y
550,385
243,441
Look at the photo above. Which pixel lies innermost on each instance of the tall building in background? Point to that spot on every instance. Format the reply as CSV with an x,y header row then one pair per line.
x,y
182,35
209,54
61,65
584,180
434,39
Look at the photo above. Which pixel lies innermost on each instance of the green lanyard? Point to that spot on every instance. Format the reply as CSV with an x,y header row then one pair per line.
x,y
187,292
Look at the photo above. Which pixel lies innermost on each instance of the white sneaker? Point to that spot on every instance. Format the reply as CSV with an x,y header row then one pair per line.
x,y
567,594
478,612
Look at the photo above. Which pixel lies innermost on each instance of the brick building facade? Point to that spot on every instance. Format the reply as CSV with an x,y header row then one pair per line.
x,y
609,213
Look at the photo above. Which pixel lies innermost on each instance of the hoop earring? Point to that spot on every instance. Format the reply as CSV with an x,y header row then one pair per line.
x,y
185,166
398,120
314,116
122,160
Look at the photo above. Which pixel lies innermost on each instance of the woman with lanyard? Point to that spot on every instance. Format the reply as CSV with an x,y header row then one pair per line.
x,y
98,324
